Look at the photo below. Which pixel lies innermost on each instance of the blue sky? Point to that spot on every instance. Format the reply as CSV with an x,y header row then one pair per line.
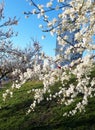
x,y
28,28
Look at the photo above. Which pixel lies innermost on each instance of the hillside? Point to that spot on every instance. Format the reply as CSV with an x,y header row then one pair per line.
x,y
47,115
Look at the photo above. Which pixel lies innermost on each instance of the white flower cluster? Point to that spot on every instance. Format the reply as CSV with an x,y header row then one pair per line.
x,y
8,92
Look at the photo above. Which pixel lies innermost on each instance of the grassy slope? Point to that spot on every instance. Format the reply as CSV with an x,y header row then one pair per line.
x,y
47,115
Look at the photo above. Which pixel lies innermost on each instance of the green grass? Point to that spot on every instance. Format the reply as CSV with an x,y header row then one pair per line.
x,y
47,115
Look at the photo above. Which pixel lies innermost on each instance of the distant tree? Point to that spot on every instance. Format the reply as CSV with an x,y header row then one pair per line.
x,y
6,32
12,58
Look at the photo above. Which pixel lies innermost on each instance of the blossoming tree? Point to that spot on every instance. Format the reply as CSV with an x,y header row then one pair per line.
x,y
81,16
12,58
6,33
